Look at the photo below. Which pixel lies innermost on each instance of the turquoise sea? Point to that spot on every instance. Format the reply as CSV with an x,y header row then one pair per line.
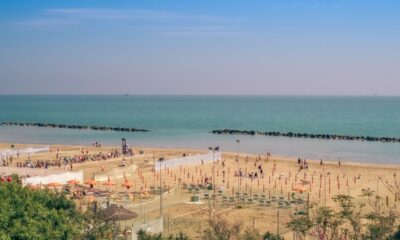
x,y
186,121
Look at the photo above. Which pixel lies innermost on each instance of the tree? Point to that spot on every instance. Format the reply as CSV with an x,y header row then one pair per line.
x,y
143,235
28,214
300,225
44,214
271,236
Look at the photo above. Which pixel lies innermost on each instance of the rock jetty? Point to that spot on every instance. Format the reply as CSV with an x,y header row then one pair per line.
x,y
53,125
308,135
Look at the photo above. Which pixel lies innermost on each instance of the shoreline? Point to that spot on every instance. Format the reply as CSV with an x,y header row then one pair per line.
x,y
277,157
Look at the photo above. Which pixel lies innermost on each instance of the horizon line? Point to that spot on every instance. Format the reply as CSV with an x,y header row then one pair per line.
x,y
205,95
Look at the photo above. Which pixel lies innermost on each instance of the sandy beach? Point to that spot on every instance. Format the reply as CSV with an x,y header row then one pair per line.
x,y
280,178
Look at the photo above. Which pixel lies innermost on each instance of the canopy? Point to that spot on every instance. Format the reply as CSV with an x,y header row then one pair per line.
x,y
115,213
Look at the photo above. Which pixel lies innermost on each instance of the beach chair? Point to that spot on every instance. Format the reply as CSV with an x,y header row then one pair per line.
x,y
287,204
273,199
231,199
250,201
220,192
301,213
224,198
281,204
245,195
268,203
263,196
262,202
206,195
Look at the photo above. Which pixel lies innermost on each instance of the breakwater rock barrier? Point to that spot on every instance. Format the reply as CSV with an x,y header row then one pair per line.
x,y
309,135
81,127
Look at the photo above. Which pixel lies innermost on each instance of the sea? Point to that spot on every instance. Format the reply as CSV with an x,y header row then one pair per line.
x,y
187,122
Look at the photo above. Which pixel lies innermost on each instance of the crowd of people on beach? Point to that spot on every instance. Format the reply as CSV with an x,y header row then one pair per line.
x,y
302,163
66,161
6,160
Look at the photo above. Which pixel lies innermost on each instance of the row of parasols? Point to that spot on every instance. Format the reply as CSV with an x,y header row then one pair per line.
x,y
91,182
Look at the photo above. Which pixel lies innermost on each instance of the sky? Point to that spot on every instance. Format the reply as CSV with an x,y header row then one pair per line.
x,y
207,47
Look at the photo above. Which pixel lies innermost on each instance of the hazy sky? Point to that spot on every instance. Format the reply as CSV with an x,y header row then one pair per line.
x,y
299,47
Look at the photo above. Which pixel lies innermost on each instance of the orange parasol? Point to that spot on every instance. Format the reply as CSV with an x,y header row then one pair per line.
x,y
73,182
109,182
33,186
53,184
299,188
127,184
91,182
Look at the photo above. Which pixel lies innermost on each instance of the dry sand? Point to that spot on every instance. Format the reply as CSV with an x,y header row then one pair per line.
x,y
281,176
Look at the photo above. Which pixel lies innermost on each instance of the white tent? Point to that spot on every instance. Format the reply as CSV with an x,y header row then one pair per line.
x,y
61,178
189,160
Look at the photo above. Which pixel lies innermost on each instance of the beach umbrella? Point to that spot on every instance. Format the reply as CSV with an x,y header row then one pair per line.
x,y
127,184
53,184
109,182
73,182
299,188
33,186
90,182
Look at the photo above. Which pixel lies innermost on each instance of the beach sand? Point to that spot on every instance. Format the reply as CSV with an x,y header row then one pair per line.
x,y
281,176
